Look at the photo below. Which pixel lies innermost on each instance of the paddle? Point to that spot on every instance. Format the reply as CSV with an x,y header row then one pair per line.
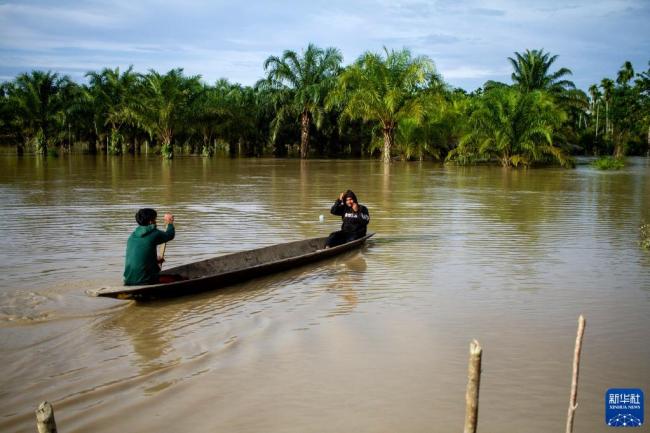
x,y
162,250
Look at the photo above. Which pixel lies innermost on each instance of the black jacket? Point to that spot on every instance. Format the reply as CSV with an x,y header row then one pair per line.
x,y
353,222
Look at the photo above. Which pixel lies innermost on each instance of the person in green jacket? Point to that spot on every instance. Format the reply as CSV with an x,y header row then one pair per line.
x,y
142,262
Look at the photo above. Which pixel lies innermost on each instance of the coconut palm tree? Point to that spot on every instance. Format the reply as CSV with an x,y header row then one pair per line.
x,y
384,90
114,95
165,104
625,74
595,106
37,99
310,76
532,72
608,88
515,127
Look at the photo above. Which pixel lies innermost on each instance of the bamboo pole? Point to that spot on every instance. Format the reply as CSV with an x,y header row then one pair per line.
x,y
473,384
45,418
573,405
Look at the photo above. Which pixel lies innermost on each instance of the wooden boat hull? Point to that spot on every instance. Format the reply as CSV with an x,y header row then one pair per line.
x,y
233,268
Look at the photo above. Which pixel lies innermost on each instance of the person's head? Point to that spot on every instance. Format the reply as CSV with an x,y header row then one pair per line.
x,y
350,198
146,216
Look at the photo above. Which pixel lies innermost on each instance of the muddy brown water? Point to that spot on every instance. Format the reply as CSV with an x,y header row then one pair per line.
x,y
375,340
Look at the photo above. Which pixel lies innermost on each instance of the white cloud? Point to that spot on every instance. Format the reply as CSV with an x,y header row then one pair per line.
x,y
471,72
57,14
468,39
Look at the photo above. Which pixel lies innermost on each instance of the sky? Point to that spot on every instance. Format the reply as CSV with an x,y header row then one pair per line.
x,y
469,41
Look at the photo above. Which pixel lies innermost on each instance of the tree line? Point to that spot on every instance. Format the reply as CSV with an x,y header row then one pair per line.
x,y
390,104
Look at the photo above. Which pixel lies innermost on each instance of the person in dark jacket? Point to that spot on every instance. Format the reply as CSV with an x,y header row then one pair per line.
x,y
142,265
355,219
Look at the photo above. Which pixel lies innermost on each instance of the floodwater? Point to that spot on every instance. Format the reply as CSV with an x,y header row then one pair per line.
x,y
375,340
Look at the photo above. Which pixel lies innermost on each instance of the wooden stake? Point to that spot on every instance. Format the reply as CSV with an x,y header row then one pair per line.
x,y
473,384
573,405
45,418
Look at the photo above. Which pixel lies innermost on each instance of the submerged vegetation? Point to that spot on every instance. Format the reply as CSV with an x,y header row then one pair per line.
x,y
608,163
390,104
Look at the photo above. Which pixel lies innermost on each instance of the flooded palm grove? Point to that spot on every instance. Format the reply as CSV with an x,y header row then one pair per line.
x,y
374,340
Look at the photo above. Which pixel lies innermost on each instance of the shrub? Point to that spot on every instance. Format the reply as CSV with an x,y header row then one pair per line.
x,y
608,163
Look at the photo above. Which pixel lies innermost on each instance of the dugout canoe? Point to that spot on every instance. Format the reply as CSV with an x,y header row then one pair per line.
x,y
232,268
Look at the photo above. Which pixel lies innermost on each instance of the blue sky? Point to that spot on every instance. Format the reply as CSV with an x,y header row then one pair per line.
x,y
469,41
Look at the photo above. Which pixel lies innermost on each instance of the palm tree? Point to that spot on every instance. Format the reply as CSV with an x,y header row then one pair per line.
x,y
532,72
114,96
643,84
515,127
625,74
310,77
441,127
238,115
165,105
209,111
595,99
37,99
7,115
608,87
383,90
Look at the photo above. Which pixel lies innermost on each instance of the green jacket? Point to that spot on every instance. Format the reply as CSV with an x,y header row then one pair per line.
x,y
141,265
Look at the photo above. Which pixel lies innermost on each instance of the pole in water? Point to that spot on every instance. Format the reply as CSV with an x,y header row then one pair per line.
x,y
321,218
473,385
573,405
45,418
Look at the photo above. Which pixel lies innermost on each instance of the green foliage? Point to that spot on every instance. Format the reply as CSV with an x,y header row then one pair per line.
x,y
166,105
532,72
391,103
384,90
514,127
38,101
301,84
620,115
608,163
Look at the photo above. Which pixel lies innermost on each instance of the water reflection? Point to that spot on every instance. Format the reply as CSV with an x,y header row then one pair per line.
x,y
347,282
508,256
147,329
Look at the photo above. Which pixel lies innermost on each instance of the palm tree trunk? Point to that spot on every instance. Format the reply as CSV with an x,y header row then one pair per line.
x,y
597,111
103,145
505,160
115,142
167,148
304,134
205,149
389,139
606,117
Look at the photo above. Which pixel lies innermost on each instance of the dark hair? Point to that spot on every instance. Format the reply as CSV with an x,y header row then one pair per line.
x,y
350,194
145,216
